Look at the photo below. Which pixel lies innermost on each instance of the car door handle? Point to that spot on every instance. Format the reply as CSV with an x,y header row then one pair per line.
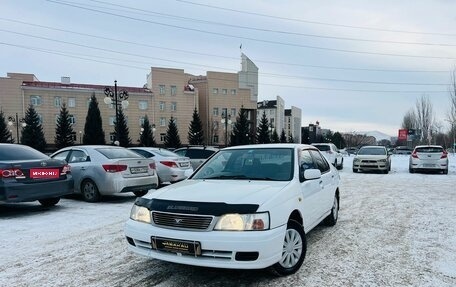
x,y
83,168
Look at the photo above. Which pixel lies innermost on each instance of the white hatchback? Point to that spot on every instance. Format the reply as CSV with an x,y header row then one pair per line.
x,y
247,207
429,157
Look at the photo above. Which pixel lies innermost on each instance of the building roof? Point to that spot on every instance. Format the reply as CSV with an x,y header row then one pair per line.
x,y
57,85
267,104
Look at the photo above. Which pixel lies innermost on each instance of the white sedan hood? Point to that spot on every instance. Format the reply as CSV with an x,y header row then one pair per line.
x,y
227,191
370,157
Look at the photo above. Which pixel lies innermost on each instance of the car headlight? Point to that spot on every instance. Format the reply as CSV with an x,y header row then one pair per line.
x,y
242,222
382,160
355,159
140,213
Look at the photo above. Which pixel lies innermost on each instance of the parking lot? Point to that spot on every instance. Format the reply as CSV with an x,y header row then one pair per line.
x,y
395,229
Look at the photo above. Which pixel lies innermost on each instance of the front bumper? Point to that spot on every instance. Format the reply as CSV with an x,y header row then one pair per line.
x,y
382,166
220,249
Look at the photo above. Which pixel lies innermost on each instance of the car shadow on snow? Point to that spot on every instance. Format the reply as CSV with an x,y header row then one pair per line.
x,y
106,199
22,209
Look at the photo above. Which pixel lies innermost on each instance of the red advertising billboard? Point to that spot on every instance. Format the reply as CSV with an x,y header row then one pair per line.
x,y
402,136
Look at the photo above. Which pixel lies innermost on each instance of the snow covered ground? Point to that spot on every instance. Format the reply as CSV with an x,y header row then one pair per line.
x,y
397,229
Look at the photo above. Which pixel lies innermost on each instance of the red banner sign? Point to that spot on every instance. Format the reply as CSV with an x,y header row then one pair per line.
x,y
44,173
402,136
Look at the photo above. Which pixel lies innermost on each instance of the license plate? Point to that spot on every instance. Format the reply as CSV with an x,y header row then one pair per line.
x,y
428,165
142,169
184,164
44,173
177,246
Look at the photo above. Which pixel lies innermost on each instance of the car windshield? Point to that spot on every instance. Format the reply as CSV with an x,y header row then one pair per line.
x,y
275,164
429,149
113,153
17,152
372,151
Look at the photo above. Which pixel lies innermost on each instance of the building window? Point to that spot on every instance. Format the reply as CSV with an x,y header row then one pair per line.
x,y
224,91
173,90
112,137
35,100
162,106
173,106
72,119
216,138
233,92
142,105
215,90
162,89
112,120
215,112
163,122
162,137
71,102
233,112
88,102
224,110
141,121
57,102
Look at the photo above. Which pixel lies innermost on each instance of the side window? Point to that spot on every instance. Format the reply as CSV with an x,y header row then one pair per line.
x,y
143,153
195,153
62,155
78,156
306,160
181,152
322,164
207,153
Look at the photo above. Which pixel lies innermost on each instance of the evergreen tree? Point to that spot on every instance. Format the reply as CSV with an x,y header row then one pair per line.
x,y
5,134
172,139
263,130
93,128
241,131
32,133
338,140
64,130
121,129
290,138
195,130
275,137
283,137
147,136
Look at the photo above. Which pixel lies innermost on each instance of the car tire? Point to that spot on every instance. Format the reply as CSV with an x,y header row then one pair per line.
x,y
293,250
48,202
140,193
341,166
411,170
355,170
89,191
331,219
445,171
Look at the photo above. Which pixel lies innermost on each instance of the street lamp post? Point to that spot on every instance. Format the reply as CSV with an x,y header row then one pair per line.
x,y
119,99
15,120
80,137
226,119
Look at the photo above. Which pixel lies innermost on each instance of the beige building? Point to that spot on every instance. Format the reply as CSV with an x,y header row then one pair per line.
x,y
293,118
168,93
18,91
174,98
221,97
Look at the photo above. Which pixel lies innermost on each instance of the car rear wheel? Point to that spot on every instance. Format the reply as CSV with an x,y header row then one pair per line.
x,y
331,219
47,202
341,165
90,191
445,171
293,250
355,170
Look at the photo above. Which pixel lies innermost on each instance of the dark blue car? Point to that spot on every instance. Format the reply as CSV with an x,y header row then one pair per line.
x,y
28,175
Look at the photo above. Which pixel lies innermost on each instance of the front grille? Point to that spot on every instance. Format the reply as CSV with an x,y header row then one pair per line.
x,y
369,161
182,221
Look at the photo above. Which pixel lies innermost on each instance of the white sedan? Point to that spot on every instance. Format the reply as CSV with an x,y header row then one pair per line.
x,y
247,207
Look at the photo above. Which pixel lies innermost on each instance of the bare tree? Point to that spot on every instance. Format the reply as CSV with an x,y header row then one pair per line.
x,y
425,118
409,121
451,117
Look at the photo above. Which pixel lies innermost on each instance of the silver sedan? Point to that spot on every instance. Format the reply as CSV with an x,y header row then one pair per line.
x,y
101,170
171,167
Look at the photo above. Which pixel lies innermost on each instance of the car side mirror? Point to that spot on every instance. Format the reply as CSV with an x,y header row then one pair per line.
x,y
309,174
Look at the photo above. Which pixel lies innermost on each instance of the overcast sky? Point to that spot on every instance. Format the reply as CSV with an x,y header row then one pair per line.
x,y
351,65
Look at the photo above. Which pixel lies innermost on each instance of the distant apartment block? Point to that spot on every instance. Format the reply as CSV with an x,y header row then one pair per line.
x,y
275,113
293,118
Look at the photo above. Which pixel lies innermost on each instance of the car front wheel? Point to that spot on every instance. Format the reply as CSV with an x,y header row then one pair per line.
x,y
90,191
293,250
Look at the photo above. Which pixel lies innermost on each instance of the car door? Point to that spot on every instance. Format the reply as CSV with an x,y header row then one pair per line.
x,y
80,166
327,180
310,190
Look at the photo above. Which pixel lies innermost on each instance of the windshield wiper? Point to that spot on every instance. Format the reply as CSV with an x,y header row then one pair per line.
x,y
238,176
